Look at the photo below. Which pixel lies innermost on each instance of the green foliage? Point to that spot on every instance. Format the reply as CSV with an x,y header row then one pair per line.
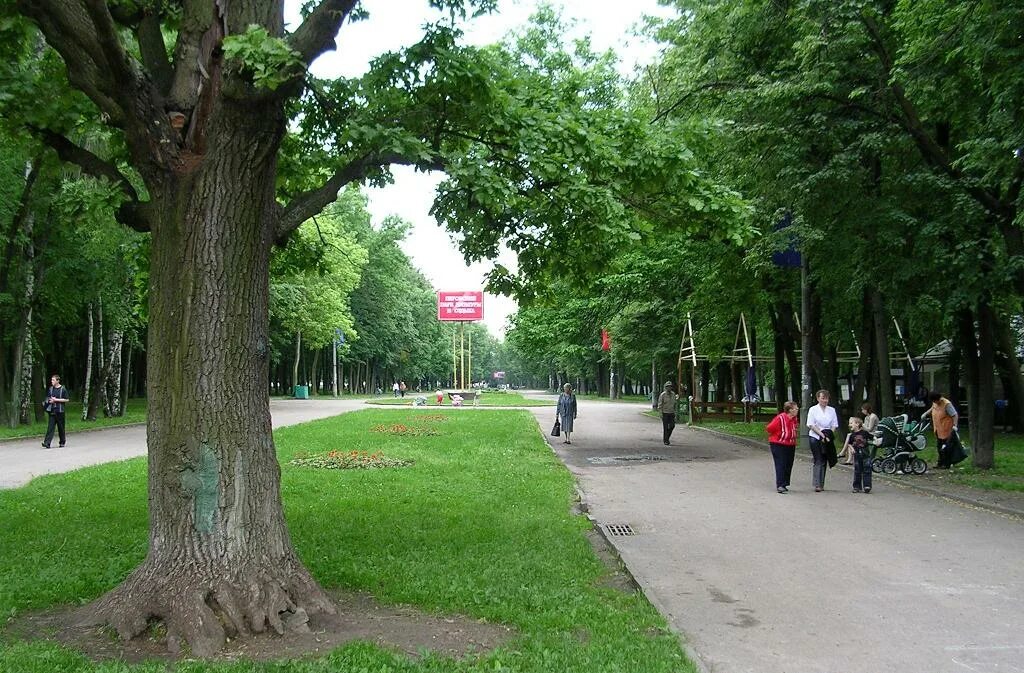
x,y
268,60
314,275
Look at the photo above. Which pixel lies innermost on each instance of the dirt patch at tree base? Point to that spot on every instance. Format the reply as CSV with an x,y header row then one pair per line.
x,y
359,618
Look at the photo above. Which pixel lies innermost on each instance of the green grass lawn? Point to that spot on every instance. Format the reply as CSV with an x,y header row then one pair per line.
x,y
479,525
488,399
134,412
1008,474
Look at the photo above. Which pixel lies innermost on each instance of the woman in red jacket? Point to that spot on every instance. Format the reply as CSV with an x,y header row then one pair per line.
x,y
782,437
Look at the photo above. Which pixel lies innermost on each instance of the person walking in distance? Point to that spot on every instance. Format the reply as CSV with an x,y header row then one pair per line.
x,y
667,406
782,442
822,423
565,412
56,398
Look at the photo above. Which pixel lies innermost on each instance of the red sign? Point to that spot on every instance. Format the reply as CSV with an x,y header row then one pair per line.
x,y
606,340
456,306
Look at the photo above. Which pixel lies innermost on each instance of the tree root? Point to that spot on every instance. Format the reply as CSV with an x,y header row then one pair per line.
x,y
201,607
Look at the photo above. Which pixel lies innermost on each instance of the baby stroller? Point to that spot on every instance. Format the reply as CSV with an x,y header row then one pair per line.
x,y
898,439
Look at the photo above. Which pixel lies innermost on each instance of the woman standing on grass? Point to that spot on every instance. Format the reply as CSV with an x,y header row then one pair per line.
x,y
565,412
782,442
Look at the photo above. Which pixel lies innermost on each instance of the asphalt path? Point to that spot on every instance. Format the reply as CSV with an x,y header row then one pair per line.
x,y
21,460
805,582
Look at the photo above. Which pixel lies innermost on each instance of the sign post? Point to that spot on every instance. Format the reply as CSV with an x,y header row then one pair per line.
x,y
460,307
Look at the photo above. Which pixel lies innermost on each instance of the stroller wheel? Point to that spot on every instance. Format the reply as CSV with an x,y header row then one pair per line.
x,y
876,466
918,466
889,466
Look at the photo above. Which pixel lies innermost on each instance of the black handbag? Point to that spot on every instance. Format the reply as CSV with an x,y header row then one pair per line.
x,y
556,429
956,452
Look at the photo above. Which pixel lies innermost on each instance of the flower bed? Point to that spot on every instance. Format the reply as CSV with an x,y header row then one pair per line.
x,y
403,429
347,460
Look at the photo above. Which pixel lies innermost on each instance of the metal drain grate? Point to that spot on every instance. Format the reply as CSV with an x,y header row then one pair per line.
x,y
619,529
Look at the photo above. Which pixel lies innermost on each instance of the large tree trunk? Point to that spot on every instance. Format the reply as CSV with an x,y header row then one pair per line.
x,y
220,559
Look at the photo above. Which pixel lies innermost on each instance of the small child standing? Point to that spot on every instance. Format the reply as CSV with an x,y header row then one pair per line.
x,y
861,448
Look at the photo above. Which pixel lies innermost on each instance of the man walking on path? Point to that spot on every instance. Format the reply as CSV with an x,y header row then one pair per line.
x,y
667,406
56,398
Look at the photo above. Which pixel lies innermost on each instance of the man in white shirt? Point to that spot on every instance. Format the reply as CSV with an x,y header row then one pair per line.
x,y
822,423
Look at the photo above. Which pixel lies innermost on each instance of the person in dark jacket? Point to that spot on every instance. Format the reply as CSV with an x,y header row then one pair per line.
x,y
565,412
782,434
56,398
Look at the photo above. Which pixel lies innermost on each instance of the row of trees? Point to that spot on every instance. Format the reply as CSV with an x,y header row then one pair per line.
x,y
627,205
890,135
73,297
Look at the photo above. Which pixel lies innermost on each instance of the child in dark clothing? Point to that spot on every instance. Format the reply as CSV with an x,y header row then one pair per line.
x,y
861,448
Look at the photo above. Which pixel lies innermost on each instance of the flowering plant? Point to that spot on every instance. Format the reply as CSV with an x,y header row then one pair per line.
x,y
347,460
403,429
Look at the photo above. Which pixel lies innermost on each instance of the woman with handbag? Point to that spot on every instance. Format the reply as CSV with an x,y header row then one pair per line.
x,y
565,412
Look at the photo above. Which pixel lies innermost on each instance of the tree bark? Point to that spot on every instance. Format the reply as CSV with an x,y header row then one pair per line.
x,y
298,356
315,383
1010,371
112,375
983,415
790,335
99,394
25,380
779,361
886,401
864,334
220,560
87,392
126,380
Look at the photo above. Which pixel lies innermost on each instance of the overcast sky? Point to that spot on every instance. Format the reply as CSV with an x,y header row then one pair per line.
x,y
395,24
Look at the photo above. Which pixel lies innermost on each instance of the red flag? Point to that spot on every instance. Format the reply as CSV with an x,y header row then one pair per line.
x,y
606,340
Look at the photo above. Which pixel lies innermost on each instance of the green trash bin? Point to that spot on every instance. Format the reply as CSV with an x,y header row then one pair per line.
x,y
301,392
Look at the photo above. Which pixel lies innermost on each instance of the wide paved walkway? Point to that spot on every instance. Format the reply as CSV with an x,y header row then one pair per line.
x,y
807,582
21,460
